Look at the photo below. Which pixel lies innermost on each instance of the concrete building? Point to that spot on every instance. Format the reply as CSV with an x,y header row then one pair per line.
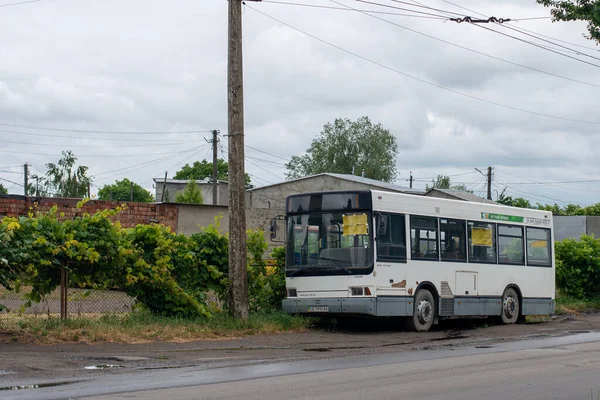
x,y
273,196
457,195
176,186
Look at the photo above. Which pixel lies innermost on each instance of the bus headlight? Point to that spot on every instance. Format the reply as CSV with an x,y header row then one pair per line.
x,y
292,293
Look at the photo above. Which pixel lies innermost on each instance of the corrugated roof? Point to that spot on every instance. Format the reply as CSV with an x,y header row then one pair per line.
x,y
354,178
462,195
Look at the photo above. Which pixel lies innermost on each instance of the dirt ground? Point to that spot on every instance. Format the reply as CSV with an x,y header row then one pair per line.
x,y
25,364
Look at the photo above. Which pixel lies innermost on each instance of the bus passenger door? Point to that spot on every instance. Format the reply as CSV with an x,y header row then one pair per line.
x,y
390,263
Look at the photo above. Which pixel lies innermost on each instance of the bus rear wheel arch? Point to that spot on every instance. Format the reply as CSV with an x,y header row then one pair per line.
x,y
424,311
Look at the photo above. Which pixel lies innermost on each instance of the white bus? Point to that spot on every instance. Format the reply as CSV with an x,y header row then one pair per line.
x,y
387,254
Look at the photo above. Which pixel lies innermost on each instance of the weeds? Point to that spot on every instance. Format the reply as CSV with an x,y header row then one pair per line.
x,y
570,305
144,327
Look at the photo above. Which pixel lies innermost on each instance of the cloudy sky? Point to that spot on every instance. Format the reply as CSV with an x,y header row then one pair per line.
x,y
78,74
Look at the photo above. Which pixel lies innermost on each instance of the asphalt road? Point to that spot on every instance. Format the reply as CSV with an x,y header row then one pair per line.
x,y
566,367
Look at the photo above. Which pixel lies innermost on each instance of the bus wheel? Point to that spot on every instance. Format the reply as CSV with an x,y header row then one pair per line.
x,y
510,306
424,311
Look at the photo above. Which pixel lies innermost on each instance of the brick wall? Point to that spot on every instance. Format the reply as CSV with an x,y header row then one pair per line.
x,y
135,213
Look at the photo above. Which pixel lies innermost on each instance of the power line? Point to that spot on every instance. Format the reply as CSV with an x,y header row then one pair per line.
x,y
86,155
472,50
523,29
98,145
533,194
95,137
423,80
19,3
265,152
103,132
9,181
403,9
345,9
146,163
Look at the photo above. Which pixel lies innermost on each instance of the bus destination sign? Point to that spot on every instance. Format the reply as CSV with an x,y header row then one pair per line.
x,y
514,218
502,217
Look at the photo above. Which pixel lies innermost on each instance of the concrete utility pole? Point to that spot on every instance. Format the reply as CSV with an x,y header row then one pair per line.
x,y
215,174
238,289
489,183
162,196
411,179
26,178
130,191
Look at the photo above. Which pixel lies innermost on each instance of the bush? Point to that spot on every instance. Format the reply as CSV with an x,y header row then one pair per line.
x,y
578,267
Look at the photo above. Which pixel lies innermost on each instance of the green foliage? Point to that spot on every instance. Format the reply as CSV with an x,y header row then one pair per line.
x,y
348,145
577,10
578,267
191,195
443,182
65,179
121,191
161,269
201,170
3,190
569,209
165,258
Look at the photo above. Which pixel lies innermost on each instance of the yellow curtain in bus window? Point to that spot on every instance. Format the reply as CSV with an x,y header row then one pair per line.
x,y
356,224
539,243
482,236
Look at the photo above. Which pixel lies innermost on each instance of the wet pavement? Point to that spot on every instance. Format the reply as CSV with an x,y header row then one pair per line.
x,y
159,365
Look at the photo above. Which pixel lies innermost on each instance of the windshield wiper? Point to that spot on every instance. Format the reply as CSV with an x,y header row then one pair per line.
x,y
336,261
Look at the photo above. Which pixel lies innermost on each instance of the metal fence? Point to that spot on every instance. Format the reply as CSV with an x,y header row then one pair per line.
x,y
79,303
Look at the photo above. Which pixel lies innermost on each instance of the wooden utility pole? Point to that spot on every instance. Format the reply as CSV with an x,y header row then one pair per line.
x,y
130,191
215,173
411,179
162,196
489,183
26,178
238,284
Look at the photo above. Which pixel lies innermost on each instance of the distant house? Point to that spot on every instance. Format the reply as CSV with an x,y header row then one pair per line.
x,y
173,187
273,196
457,195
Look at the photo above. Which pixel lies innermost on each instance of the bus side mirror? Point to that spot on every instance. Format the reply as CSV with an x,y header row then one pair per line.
x,y
382,224
273,228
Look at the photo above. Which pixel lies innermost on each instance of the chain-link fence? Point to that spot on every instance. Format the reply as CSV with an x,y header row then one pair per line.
x,y
80,303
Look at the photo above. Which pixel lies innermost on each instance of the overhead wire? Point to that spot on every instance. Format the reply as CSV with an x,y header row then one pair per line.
x,y
345,9
506,106
96,145
102,132
19,3
472,50
95,137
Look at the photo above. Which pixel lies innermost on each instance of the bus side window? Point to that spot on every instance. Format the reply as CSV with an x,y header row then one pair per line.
x,y
391,237
424,238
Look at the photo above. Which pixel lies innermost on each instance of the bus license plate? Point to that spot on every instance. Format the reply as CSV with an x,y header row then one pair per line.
x,y
318,309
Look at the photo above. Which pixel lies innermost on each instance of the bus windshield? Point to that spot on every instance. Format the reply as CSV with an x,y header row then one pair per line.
x,y
329,243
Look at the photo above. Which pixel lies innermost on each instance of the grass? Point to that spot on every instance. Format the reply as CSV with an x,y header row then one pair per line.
x,y
142,327
570,305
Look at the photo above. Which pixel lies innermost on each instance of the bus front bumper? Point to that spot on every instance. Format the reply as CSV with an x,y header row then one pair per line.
x,y
335,305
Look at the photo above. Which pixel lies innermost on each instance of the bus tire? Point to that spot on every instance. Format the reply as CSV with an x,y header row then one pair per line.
x,y
510,307
424,311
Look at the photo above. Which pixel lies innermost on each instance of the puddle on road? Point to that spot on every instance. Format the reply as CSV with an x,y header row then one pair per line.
x,y
37,385
103,366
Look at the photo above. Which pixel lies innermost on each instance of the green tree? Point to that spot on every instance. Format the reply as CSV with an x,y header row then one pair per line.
x,y
443,182
3,190
201,170
121,191
191,195
66,179
577,10
348,145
